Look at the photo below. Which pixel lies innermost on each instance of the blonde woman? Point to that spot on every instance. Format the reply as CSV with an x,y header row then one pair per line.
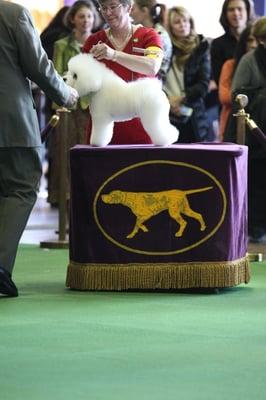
x,y
188,77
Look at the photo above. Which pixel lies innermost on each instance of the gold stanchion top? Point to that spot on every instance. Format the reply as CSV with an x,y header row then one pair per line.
x,y
54,120
63,110
242,102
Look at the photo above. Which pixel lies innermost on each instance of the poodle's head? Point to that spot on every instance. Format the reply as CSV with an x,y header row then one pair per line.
x,y
84,74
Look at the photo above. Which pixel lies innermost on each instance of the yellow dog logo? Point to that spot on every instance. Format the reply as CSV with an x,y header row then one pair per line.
x,y
145,205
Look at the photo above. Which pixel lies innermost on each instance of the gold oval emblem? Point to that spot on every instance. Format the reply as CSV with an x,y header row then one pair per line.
x,y
160,207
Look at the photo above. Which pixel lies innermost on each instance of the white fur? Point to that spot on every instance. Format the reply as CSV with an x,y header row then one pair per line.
x,y
113,99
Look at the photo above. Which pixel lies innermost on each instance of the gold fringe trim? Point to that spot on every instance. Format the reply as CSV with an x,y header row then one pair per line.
x,y
157,276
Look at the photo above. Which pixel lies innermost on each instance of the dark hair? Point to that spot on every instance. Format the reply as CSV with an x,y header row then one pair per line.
x,y
55,30
157,10
250,13
76,7
57,20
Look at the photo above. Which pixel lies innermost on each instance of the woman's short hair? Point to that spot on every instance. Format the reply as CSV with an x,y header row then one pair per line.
x,y
250,13
259,29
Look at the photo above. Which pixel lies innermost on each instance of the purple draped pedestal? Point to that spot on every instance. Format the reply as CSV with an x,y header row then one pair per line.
x,y
146,217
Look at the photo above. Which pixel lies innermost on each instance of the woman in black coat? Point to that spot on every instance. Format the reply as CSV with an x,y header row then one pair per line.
x,y
188,77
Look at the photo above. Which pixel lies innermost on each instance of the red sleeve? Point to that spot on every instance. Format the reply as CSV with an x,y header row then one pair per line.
x,y
147,37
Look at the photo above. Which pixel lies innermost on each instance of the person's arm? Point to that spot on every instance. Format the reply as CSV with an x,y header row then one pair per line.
x,y
217,60
35,64
149,64
243,74
225,83
167,53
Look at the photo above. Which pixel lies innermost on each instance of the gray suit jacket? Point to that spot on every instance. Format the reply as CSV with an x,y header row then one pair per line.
x,y
22,59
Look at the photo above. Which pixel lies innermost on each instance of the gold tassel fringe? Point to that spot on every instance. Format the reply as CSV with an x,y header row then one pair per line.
x,y
157,276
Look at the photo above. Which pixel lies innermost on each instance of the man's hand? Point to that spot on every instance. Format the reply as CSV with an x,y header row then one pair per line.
x,y
72,99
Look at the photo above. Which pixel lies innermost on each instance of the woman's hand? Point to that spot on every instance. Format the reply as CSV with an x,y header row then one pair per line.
x,y
175,102
102,51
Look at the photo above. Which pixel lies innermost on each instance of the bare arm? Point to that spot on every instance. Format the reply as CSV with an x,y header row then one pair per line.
x,y
149,64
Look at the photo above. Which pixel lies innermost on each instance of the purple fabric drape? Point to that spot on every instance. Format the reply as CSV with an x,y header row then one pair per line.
x,y
203,186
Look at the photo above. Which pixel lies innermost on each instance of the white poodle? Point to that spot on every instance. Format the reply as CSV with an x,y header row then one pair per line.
x,y
113,99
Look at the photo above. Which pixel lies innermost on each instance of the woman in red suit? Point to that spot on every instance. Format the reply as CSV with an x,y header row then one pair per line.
x,y
132,52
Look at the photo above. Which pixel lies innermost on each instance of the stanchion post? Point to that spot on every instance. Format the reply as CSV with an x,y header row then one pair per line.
x,y
241,115
63,112
62,199
243,119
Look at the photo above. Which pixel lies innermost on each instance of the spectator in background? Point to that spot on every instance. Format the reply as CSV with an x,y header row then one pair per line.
x,y
187,80
235,16
54,31
246,43
22,60
250,79
81,19
151,14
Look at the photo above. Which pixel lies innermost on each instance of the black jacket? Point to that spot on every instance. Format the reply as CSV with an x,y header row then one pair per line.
x,y
197,72
222,48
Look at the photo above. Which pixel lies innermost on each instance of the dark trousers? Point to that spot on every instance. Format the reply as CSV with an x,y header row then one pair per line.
x,y
20,172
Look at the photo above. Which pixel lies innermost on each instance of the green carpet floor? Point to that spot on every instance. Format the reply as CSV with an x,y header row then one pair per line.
x,y
58,344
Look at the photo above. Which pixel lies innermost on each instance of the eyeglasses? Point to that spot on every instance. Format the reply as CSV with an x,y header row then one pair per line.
x,y
112,8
